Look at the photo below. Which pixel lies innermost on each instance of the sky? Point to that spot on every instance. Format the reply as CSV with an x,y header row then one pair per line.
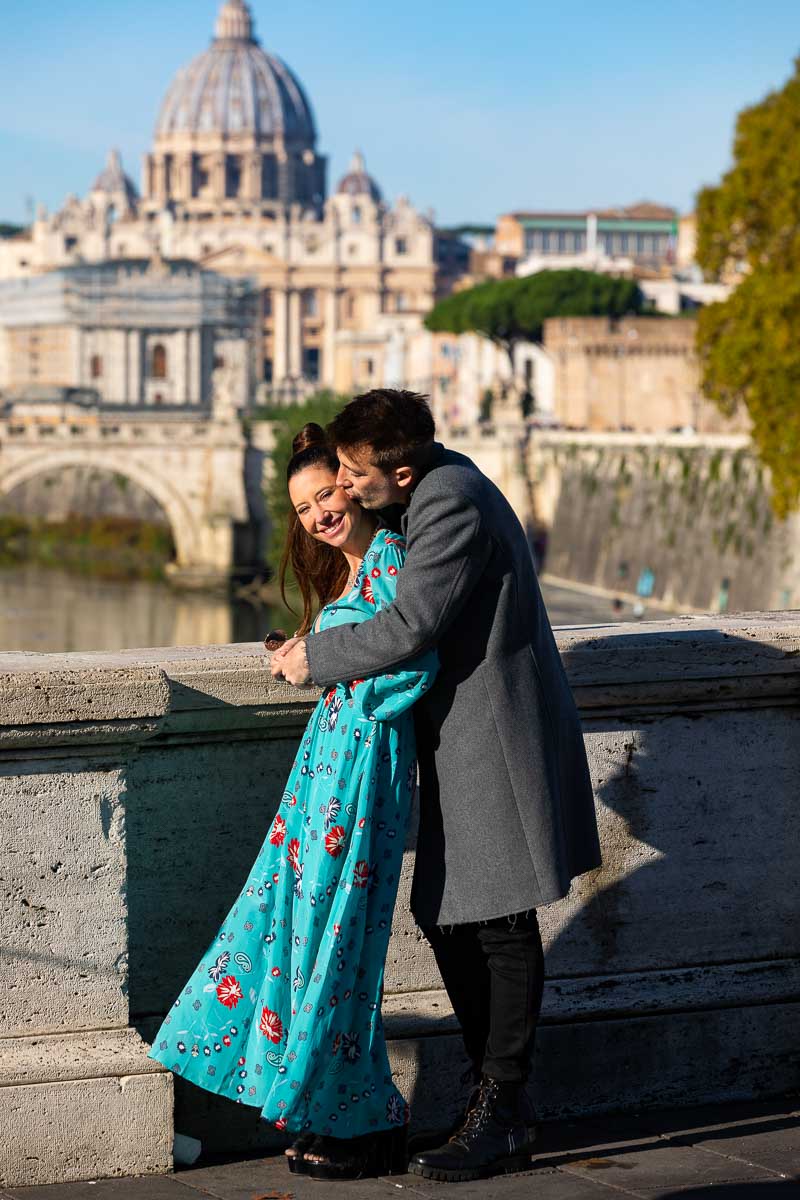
x,y
470,109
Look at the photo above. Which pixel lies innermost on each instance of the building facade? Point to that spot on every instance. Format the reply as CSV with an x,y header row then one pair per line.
x,y
235,182
637,374
130,334
640,238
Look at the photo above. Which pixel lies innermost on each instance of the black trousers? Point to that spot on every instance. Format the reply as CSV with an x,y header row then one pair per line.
x,y
494,975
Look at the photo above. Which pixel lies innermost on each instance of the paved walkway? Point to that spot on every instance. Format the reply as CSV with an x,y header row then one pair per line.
x,y
748,1151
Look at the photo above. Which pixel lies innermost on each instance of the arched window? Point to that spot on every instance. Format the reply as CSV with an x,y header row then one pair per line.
x,y
158,362
96,366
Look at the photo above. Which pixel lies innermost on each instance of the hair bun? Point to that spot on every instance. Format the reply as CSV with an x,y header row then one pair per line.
x,y
310,435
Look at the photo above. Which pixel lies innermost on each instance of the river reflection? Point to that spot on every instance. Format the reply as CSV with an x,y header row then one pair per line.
x,y
53,611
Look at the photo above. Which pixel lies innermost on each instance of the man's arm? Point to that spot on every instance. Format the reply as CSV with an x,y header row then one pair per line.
x,y
447,554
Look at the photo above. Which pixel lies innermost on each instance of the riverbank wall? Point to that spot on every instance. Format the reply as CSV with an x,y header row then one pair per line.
x,y
136,789
684,520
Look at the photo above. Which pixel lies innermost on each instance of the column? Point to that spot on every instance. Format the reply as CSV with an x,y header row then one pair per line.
x,y
251,178
134,389
178,344
217,180
77,366
295,335
183,190
193,367
328,366
591,234
280,325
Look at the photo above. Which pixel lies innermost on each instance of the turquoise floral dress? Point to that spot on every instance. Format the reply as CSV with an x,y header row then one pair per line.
x,y
283,1011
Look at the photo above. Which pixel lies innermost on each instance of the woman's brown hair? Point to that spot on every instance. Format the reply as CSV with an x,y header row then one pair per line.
x,y
318,568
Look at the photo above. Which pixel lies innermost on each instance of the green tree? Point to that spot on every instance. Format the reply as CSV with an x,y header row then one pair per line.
x,y
508,311
747,345
322,407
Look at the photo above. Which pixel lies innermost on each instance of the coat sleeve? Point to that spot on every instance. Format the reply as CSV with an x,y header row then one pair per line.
x,y
384,697
446,557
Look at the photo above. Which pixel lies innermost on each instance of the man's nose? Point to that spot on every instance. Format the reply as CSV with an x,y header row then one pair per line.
x,y
343,479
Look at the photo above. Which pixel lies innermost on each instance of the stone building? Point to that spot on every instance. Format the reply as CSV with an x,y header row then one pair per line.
x,y
130,333
641,238
235,182
637,373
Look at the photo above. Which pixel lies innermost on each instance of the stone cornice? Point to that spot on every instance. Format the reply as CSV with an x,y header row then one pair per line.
x,y
133,696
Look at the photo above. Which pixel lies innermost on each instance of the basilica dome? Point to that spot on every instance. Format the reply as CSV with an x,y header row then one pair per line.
x,y
235,128
235,87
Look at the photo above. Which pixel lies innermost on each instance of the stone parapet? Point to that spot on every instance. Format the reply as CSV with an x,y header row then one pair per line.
x,y
136,789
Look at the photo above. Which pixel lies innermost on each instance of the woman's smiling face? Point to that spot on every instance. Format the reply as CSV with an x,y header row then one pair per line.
x,y
324,509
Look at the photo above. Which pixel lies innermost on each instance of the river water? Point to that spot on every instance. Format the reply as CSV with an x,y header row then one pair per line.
x,y
50,610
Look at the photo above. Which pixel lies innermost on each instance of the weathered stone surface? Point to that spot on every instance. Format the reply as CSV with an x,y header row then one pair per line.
x,y
63,929
694,510
136,789
84,1129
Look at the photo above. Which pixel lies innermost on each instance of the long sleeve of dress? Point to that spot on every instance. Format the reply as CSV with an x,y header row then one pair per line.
x,y
384,697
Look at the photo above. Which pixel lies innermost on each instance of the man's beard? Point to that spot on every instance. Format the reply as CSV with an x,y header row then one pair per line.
x,y
365,502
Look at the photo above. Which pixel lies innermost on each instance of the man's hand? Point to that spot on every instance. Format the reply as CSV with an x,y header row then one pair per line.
x,y
278,654
293,663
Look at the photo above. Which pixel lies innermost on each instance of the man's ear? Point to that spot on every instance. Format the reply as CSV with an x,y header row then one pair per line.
x,y
403,477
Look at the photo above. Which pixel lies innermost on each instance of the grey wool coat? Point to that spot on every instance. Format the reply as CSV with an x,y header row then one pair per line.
x,y
507,813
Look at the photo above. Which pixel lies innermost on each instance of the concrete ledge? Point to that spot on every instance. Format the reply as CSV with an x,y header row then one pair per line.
x,y
67,1057
136,789
58,1132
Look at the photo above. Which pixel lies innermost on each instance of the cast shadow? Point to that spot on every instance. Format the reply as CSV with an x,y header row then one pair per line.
x,y
690,824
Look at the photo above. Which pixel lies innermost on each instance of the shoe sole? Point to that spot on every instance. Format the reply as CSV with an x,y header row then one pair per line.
x,y
504,1166
297,1164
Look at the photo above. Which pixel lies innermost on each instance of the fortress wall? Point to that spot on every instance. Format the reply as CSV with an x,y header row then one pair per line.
x,y
694,511
136,789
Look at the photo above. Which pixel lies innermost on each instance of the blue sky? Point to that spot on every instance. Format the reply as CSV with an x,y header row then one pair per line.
x,y
469,108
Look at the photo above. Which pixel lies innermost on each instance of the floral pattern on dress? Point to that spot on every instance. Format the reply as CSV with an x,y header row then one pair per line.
x,y
283,1012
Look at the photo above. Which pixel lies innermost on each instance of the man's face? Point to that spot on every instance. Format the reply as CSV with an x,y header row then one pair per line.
x,y
364,482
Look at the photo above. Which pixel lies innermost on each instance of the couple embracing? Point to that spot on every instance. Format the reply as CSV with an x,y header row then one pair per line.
x,y
424,625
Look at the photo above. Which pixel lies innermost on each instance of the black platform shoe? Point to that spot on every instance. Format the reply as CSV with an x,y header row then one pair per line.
x,y
496,1138
295,1154
381,1153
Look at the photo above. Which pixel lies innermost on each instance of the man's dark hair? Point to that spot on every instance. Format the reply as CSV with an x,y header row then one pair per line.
x,y
395,426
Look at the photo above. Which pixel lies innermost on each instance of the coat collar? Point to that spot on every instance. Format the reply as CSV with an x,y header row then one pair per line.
x,y
436,458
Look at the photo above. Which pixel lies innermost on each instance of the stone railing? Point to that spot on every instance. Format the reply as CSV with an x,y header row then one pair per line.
x,y
136,789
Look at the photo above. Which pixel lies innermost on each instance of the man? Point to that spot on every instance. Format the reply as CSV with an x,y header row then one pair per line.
x,y
506,806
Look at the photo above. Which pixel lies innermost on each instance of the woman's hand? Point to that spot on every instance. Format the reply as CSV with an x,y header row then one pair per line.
x,y
291,663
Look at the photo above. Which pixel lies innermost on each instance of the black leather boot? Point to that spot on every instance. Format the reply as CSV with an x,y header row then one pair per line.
x,y
496,1137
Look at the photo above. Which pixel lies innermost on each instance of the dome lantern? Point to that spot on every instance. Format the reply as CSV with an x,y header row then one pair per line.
x,y
234,22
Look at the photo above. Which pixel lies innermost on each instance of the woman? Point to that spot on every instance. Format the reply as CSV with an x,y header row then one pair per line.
x,y
284,1010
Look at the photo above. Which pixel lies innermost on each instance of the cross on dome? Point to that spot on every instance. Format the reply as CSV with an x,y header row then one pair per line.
x,y
234,22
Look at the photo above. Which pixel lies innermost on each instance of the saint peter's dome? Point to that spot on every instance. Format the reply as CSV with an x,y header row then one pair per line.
x,y
236,87
235,128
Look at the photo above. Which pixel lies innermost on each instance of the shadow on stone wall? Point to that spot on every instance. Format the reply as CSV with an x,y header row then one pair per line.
x,y
672,970
669,969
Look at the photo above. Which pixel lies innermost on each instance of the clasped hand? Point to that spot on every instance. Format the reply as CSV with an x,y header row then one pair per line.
x,y
290,662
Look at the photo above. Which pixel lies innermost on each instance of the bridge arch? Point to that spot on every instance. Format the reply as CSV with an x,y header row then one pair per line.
x,y
183,523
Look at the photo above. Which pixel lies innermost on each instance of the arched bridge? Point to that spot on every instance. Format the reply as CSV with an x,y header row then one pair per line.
x,y
202,472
